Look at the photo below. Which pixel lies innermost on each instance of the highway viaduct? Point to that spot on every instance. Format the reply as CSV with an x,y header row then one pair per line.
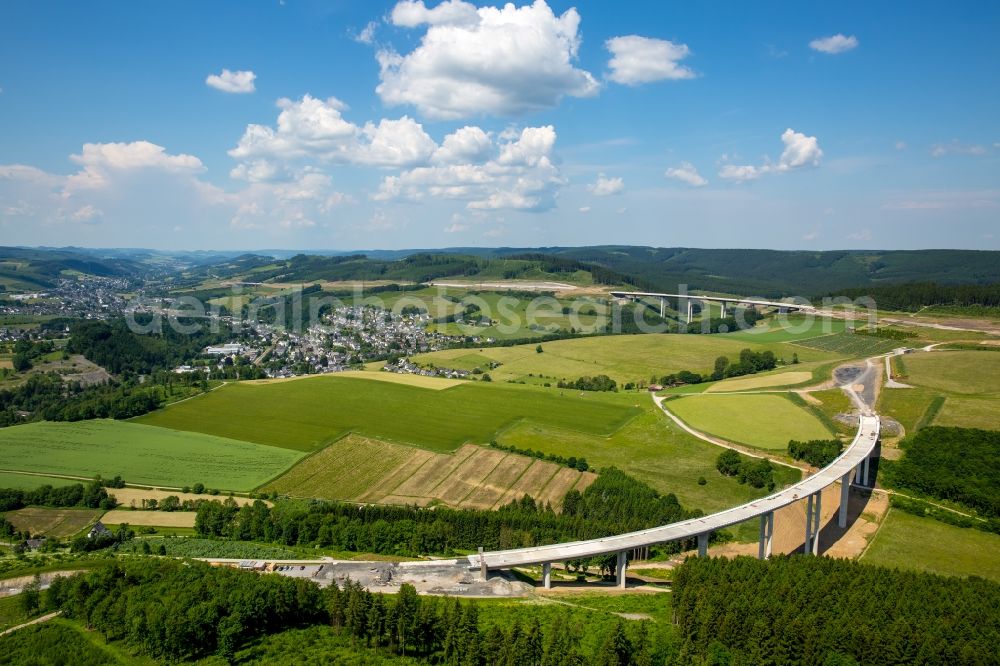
x,y
725,300
852,466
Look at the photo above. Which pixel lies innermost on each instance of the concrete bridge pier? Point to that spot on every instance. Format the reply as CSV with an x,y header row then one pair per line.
x,y
663,307
813,519
547,575
845,493
766,535
620,569
868,460
690,310
703,544
724,309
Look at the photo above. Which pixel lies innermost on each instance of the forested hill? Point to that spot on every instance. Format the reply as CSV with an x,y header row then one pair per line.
x,y
30,268
767,273
773,273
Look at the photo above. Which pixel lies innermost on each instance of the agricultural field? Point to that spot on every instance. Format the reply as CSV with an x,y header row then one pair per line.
x,y
195,547
624,358
943,549
141,454
133,497
761,420
152,518
31,481
950,388
968,372
653,449
305,414
361,469
60,523
851,345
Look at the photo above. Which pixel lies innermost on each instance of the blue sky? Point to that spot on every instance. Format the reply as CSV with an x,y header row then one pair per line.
x,y
339,125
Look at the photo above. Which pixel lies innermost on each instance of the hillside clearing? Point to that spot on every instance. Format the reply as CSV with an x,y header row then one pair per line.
x,y
770,380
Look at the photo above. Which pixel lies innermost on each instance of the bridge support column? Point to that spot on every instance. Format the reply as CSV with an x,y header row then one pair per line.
x,y
845,494
703,544
484,572
547,575
663,307
690,311
766,535
620,569
723,309
867,461
813,519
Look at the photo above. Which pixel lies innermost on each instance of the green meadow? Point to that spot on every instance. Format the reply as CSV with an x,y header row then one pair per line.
x,y
31,481
306,413
141,454
766,421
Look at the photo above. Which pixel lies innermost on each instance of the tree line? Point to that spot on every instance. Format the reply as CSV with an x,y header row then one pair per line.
x,y
914,295
572,461
809,610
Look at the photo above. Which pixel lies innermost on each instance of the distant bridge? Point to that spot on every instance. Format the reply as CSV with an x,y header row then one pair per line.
x,y
725,300
851,465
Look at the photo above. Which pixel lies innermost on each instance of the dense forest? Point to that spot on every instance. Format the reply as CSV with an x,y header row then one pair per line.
x,y
47,397
957,464
113,346
173,611
912,296
613,504
808,610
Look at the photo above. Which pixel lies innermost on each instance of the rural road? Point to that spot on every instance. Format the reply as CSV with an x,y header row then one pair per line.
x,y
37,620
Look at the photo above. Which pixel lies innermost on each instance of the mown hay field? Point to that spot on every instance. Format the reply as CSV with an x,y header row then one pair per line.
x,y
151,518
760,420
141,454
363,469
60,523
306,414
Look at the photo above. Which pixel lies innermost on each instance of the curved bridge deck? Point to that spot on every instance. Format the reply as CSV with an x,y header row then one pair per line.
x,y
849,462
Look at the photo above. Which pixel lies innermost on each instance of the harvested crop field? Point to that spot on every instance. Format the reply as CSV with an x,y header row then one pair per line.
x,y
153,518
362,469
60,523
133,497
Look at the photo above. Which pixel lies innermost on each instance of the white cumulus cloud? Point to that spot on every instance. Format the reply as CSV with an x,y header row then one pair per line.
x,y
487,61
518,175
800,151
636,60
834,44
239,82
686,173
100,160
605,186
315,128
